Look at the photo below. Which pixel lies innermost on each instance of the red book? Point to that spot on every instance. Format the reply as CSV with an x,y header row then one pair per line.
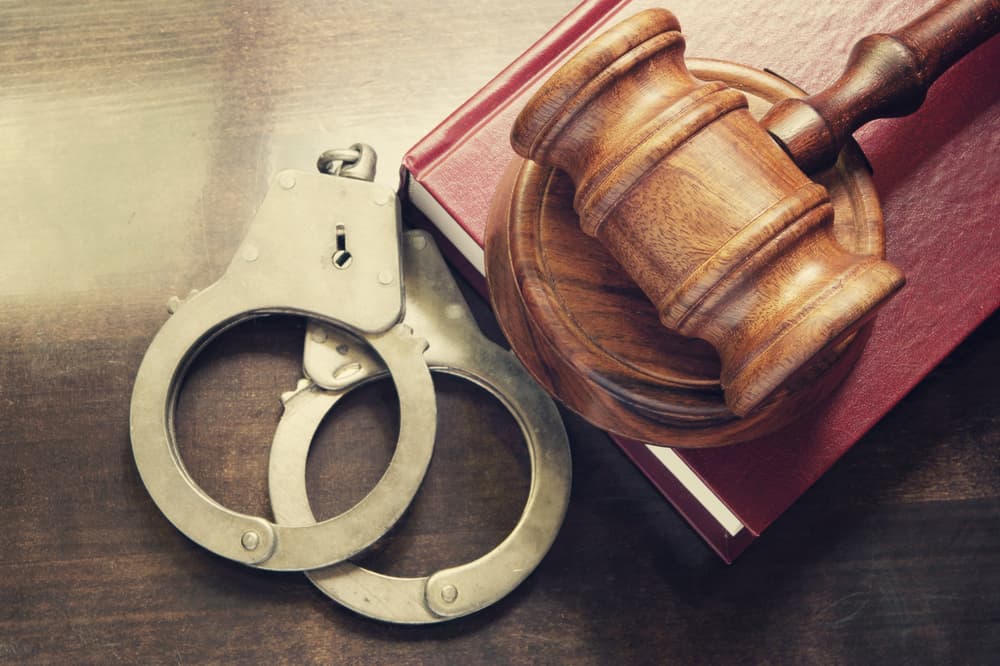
x,y
937,175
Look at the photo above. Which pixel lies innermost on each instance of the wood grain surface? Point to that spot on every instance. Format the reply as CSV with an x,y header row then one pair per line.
x,y
138,139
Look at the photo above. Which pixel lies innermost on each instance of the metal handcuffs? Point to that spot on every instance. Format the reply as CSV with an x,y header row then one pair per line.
x,y
435,310
328,248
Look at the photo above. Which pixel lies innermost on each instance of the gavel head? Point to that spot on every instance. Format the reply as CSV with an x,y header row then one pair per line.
x,y
727,237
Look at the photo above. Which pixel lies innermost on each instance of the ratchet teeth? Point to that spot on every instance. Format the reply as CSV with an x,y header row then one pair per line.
x,y
300,386
175,302
405,330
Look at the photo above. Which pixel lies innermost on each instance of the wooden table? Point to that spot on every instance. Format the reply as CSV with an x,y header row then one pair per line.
x,y
138,139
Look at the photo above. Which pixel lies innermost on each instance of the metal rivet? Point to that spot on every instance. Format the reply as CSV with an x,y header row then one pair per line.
x,y
286,180
343,349
250,253
385,277
174,304
318,335
382,197
449,593
250,540
418,242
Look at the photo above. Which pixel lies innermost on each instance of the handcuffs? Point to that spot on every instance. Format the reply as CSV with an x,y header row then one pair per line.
x,y
328,247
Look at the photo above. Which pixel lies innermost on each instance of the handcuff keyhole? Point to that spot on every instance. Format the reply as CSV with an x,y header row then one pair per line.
x,y
341,257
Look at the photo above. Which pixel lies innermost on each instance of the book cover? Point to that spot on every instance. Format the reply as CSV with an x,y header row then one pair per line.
x,y
937,175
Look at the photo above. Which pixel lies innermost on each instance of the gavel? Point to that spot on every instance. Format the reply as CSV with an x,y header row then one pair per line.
x,y
710,211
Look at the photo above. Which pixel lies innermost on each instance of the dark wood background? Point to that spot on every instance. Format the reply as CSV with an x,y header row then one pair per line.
x,y
137,140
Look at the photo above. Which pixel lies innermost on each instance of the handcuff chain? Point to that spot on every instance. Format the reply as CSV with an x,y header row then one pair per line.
x,y
357,162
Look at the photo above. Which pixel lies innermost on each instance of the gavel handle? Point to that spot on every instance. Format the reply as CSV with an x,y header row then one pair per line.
x,y
887,76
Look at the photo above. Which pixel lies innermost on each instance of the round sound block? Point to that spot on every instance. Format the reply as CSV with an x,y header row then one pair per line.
x,y
589,335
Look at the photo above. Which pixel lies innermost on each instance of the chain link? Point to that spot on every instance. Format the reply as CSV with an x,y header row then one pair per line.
x,y
357,162
332,161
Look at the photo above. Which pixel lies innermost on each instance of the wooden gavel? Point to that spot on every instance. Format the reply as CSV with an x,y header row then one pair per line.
x,y
708,210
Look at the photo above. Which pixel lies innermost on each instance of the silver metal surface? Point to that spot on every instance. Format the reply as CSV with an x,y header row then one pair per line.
x,y
285,265
436,310
357,162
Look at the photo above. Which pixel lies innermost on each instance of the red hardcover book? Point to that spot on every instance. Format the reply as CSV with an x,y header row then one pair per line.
x,y
937,175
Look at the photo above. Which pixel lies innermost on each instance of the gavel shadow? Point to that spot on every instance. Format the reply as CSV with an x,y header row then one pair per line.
x,y
897,147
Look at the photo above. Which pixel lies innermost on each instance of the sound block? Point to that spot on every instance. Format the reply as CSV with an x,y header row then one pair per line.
x,y
587,333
